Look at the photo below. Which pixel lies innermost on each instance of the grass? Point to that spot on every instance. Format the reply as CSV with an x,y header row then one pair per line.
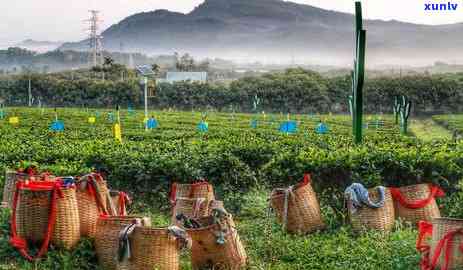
x,y
428,130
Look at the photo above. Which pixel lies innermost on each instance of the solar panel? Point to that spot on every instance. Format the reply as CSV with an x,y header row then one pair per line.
x,y
145,70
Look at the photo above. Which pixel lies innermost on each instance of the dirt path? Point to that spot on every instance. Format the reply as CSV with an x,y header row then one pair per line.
x,y
427,130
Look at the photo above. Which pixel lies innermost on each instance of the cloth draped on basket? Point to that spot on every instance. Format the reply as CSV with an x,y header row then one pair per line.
x,y
216,243
157,248
370,209
193,208
107,239
44,212
358,197
446,249
93,200
417,202
435,191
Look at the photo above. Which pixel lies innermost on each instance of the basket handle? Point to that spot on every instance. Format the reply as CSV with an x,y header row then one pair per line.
x,y
111,210
20,243
435,192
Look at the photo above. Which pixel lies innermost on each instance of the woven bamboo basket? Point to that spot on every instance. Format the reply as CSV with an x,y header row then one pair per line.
x,y
441,227
11,177
192,191
192,208
92,197
302,211
414,194
32,217
107,240
154,249
381,219
206,253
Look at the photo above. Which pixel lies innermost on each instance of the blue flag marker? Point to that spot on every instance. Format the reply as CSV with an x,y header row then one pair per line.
x,y
254,123
321,128
130,110
2,114
203,126
288,127
57,126
111,117
97,114
152,123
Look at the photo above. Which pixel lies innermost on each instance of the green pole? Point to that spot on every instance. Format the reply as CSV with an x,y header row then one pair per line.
x,y
358,74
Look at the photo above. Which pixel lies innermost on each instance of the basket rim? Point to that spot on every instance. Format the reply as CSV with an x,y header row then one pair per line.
x,y
204,228
189,199
276,194
115,218
419,184
151,230
446,219
199,183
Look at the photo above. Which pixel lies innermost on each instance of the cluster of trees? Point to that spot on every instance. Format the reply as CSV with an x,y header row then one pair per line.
x,y
13,60
294,90
187,63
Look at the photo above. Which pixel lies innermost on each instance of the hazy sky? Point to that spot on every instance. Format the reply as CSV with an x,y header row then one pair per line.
x,y
64,19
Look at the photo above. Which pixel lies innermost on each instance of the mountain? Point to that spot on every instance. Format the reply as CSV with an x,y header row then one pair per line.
x,y
275,30
38,46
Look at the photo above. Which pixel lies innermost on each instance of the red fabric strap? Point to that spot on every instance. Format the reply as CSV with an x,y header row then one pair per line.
x,y
445,244
93,180
435,191
20,243
173,193
124,199
424,229
305,181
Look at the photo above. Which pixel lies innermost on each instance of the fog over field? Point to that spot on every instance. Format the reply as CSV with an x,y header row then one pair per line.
x,y
269,31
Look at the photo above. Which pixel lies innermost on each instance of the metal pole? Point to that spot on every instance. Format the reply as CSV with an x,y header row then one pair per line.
x,y
145,80
30,93
358,75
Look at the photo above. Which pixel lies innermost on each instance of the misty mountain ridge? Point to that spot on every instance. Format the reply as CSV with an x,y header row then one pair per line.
x,y
275,30
39,46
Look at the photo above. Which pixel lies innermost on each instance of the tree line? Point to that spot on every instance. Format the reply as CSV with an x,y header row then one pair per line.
x,y
293,90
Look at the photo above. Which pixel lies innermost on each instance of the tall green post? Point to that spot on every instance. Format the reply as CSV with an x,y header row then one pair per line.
x,y
358,75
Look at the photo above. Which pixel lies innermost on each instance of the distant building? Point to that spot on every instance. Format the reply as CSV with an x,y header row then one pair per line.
x,y
172,77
